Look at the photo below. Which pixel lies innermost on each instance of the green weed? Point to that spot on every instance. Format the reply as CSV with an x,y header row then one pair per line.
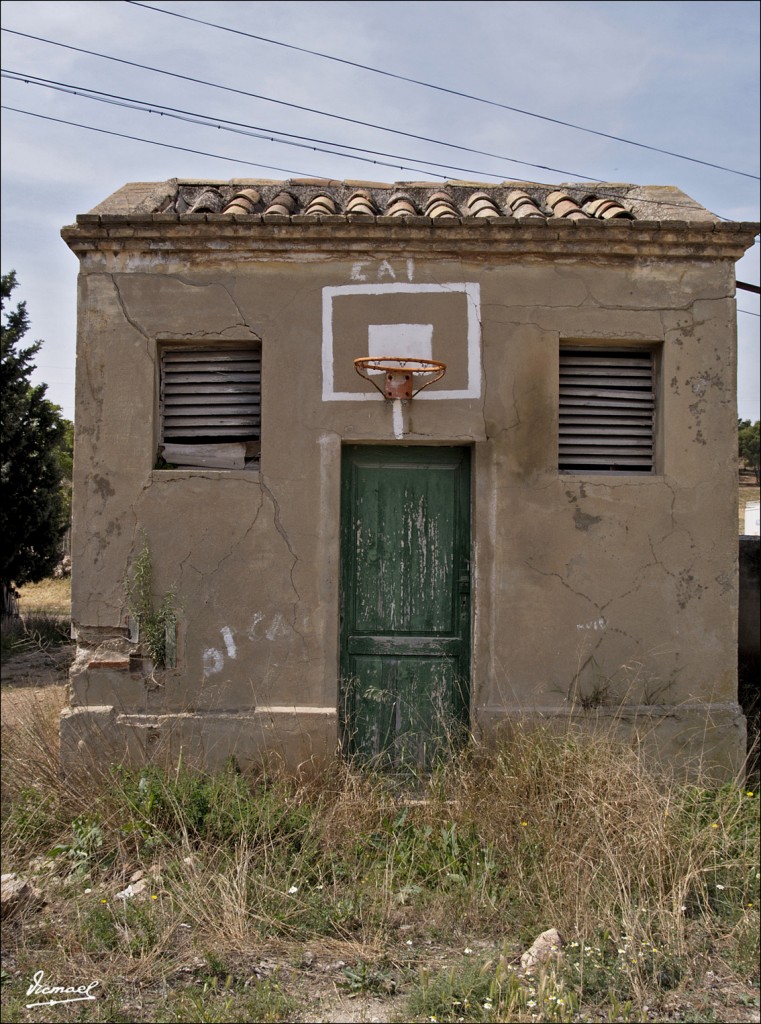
x,y
647,878
156,619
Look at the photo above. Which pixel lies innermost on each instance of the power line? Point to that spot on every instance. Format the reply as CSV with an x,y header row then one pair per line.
x,y
250,131
442,88
236,127
230,159
172,74
298,106
136,105
165,145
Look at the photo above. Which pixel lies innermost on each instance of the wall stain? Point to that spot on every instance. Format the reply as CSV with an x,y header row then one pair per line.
x,y
102,486
583,521
687,588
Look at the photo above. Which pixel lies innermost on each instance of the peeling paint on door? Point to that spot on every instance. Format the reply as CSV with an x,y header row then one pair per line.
x,y
406,602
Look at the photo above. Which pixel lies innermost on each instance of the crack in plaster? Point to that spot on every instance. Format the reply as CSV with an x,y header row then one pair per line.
x,y
509,426
242,322
577,593
239,311
687,586
484,376
281,530
236,543
123,306
206,574
622,632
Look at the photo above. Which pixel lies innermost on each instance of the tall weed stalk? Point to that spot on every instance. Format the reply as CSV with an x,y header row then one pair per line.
x,y
572,831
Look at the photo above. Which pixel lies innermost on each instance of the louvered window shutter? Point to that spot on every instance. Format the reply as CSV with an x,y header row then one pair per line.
x,y
607,410
211,395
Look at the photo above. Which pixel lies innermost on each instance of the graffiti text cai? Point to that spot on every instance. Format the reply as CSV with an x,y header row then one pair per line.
x,y
383,270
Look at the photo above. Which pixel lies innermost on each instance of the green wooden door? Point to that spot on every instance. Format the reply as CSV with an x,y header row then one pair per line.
x,y
405,614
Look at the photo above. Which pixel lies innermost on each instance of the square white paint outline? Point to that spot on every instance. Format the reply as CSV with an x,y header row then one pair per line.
x,y
414,340
472,292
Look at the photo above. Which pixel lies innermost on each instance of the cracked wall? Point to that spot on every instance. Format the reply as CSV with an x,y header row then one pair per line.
x,y
612,588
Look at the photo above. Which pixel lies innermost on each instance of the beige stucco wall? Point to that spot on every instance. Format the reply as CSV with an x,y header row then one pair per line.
x,y
603,588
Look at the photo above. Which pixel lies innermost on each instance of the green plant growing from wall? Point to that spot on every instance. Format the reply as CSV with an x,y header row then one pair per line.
x,y
156,620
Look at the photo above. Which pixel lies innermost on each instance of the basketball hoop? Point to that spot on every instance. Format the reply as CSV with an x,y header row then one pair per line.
x,y
400,373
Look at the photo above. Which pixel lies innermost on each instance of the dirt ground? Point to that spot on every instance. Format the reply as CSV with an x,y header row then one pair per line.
x,y
35,681
34,684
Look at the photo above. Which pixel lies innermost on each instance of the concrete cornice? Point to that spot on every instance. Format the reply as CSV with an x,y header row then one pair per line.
x,y
294,237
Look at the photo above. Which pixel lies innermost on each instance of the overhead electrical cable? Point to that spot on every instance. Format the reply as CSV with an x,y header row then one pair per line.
x,y
241,128
238,127
298,106
309,174
441,88
171,74
165,145
220,124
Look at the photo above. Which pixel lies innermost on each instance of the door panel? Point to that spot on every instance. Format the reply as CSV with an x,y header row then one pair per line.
x,y
405,617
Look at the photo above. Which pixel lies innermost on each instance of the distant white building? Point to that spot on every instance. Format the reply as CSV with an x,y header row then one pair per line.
x,y
752,519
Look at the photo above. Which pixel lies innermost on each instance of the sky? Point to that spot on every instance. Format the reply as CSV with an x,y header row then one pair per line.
x,y
676,76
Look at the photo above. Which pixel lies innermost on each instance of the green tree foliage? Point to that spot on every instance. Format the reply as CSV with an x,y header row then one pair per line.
x,y
66,462
33,507
750,445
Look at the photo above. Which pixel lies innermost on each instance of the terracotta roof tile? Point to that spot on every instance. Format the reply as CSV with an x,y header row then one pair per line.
x,y
414,201
209,201
439,205
563,206
284,204
522,205
606,209
480,204
245,201
400,205
321,204
361,203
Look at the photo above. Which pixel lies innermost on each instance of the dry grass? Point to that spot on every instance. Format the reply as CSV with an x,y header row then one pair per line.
x,y
266,897
652,882
49,597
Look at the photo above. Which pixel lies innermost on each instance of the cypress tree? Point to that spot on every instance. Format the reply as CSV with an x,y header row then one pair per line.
x,y
32,515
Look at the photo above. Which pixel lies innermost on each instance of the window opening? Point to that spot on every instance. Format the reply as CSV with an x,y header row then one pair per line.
x,y
211,407
607,410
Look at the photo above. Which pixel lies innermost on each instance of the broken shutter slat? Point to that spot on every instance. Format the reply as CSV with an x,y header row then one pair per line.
x,y
214,377
208,356
190,420
210,456
179,391
199,433
607,393
202,407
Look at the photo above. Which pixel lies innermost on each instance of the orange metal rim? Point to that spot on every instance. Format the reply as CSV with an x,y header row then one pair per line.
x,y
399,373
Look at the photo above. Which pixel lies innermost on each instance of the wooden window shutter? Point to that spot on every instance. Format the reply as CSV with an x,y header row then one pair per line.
x,y
607,410
211,406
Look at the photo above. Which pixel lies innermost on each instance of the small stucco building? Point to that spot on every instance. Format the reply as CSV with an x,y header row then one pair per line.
x,y
548,530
